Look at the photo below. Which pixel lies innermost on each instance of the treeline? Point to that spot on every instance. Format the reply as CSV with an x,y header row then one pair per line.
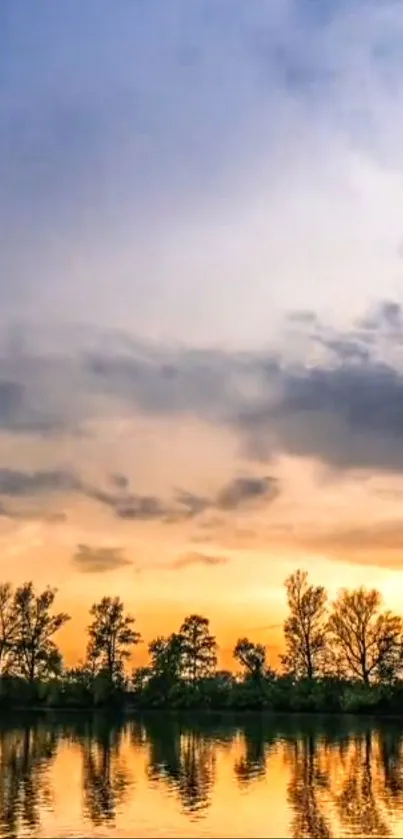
x,y
340,656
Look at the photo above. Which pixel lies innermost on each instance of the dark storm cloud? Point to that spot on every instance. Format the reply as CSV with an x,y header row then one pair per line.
x,y
97,560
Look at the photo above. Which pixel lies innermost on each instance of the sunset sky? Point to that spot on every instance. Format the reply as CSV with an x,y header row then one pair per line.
x,y
201,332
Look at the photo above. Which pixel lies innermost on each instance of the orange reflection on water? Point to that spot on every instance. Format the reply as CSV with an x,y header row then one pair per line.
x,y
164,776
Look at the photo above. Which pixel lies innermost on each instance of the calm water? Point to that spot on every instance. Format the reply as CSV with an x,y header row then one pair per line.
x,y
163,777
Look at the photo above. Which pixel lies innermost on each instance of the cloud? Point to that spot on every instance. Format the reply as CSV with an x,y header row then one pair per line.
x,y
169,382
379,544
241,491
99,560
329,393
19,414
303,317
344,415
129,505
14,482
245,490
386,315
196,558
126,504
32,513
338,400
191,504
120,481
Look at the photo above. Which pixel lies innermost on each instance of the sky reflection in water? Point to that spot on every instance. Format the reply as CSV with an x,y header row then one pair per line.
x,y
162,776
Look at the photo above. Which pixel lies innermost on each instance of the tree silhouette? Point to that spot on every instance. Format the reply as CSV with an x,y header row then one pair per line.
x,y
8,625
367,643
251,656
166,656
111,638
35,655
199,648
305,628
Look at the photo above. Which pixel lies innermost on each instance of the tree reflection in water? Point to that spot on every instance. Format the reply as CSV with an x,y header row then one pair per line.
x,y
105,776
307,780
25,753
257,742
390,758
341,779
351,782
183,757
359,799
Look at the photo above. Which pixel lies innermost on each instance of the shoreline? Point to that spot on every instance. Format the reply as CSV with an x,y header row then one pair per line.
x,y
209,713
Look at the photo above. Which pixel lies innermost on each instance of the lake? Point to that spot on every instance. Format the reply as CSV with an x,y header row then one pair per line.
x,y
162,776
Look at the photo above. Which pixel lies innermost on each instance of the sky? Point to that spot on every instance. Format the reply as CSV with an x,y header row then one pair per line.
x,y
201,322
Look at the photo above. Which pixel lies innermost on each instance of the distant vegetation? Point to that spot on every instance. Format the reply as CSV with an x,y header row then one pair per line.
x,y
345,656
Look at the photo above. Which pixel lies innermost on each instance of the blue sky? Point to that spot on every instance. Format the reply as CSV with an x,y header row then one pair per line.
x,y
190,171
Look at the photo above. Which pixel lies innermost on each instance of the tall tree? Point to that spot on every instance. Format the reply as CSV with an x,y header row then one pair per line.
x,y
305,627
111,637
35,653
166,656
199,648
251,656
367,642
8,625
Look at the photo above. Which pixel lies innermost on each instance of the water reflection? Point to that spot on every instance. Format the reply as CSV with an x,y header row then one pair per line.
x,y
358,802
334,778
390,759
24,787
105,776
256,742
308,778
182,757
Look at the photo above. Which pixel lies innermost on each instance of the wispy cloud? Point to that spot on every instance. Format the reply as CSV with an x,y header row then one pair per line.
x,y
247,490
374,544
99,560
196,558
16,483
129,505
